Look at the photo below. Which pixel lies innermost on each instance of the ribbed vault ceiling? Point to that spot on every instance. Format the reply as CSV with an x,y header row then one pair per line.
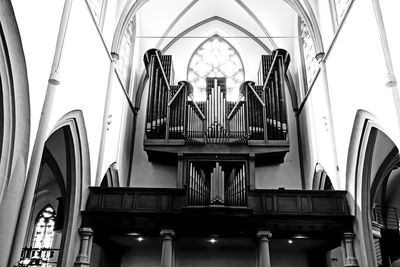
x,y
260,18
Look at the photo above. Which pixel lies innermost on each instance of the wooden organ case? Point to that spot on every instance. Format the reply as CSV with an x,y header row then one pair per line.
x,y
216,143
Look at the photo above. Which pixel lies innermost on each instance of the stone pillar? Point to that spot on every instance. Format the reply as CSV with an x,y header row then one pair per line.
x,y
85,249
263,250
167,254
106,117
348,250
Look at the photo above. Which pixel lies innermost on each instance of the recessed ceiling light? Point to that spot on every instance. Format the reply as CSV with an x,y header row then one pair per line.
x,y
140,239
212,240
290,241
300,236
133,233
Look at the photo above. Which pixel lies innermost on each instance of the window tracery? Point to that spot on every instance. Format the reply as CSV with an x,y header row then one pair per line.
x,y
216,58
311,64
97,8
341,8
44,229
124,62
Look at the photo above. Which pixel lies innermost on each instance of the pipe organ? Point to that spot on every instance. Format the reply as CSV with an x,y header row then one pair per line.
x,y
215,142
217,183
258,116
199,189
236,190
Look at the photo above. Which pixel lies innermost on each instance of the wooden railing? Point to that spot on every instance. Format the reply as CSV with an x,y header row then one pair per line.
x,y
262,202
322,214
388,217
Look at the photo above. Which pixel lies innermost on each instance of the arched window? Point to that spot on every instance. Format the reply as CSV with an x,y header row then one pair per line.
x,y
308,51
339,9
44,228
124,63
216,58
98,8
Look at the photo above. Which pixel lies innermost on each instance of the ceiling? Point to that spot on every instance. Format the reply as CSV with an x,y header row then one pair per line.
x,y
255,18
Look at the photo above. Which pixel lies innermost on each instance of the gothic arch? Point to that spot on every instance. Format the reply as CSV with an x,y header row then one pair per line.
x,y
77,181
239,67
321,180
14,99
14,125
372,155
143,78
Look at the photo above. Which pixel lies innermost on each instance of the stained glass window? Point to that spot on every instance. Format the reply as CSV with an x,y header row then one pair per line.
x,y
44,228
216,58
97,7
341,8
125,54
310,62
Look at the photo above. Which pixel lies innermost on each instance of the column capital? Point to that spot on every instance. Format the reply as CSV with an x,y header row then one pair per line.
x,y
114,56
320,57
390,80
350,259
349,236
264,234
167,233
85,231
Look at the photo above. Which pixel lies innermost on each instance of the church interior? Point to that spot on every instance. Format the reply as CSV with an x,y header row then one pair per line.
x,y
182,133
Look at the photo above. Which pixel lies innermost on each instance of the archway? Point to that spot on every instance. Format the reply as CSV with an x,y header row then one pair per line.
x,y
62,184
372,183
14,125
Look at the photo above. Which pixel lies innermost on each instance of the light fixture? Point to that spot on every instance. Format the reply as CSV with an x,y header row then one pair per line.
x,y
212,240
290,241
140,239
300,236
133,234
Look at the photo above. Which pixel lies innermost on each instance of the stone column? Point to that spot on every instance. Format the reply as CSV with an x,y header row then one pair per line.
x,y
263,250
167,254
85,249
106,117
350,259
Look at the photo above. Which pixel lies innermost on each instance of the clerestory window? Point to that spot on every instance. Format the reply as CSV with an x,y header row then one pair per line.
x,y
308,50
215,58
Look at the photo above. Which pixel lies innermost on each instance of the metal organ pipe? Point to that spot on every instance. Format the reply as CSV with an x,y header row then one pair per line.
x,y
217,185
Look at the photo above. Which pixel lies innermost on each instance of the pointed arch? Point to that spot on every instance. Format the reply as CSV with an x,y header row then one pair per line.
x,y
372,155
215,57
143,78
77,180
14,126
321,180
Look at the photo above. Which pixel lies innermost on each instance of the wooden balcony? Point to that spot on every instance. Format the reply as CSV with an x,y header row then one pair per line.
x,y
285,212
